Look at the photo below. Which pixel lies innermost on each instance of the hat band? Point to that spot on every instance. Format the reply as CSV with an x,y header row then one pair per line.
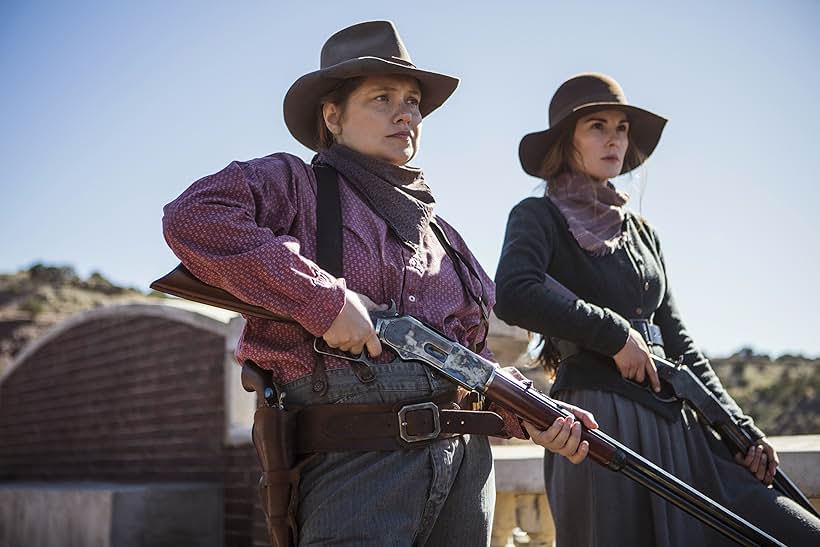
x,y
400,61
603,102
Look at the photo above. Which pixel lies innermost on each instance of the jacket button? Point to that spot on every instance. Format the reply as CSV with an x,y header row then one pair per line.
x,y
646,286
638,311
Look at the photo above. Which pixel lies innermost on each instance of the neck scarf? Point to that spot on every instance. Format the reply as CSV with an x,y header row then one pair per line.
x,y
594,212
398,194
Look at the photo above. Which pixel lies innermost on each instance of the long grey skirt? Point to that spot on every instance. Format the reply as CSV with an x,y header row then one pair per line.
x,y
594,506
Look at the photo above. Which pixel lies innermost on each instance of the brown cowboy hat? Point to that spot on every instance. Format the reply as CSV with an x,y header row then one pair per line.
x,y
369,48
581,95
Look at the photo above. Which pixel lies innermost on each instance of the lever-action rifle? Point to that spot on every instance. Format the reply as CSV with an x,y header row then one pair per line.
x,y
687,386
414,341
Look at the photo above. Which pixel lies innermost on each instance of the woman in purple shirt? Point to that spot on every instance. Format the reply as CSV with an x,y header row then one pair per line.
x,y
251,229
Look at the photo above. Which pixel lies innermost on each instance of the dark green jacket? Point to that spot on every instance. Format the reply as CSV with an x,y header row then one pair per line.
x,y
630,283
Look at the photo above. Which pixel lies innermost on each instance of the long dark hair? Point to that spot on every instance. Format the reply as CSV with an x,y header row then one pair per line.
x,y
548,356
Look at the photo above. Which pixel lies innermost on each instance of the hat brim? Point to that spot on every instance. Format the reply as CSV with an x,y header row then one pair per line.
x,y
302,99
645,129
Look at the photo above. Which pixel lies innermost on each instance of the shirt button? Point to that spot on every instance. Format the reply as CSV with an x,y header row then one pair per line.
x,y
638,311
411,298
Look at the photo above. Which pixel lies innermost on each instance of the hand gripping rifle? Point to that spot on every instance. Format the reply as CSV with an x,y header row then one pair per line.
x,y
686,386
414,341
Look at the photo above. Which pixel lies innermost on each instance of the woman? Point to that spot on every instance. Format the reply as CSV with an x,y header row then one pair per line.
x,y
581,236
251,229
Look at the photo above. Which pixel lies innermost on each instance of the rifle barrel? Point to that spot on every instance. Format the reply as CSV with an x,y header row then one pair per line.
x,y
734,436
541,410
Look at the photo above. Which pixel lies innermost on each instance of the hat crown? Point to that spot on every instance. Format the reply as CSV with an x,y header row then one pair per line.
x,y
582,90
369,39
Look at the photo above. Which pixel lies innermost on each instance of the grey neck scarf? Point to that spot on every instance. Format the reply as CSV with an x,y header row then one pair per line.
x,y
397,194
594,212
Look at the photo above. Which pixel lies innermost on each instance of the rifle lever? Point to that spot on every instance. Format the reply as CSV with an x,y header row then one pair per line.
x,y
360,363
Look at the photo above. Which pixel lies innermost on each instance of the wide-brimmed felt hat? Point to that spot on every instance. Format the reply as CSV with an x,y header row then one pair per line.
x,y
582,95
365,49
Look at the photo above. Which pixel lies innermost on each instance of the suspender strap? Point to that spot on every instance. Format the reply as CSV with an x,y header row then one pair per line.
x,y
328,245
328,220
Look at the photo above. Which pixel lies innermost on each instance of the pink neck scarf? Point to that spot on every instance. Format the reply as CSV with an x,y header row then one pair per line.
x,y
594,212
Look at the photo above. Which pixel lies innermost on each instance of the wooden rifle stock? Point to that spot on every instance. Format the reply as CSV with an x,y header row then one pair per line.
x,y
182,283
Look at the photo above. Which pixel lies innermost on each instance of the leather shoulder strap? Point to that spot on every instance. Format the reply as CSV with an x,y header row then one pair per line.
x,y
328,220
459,260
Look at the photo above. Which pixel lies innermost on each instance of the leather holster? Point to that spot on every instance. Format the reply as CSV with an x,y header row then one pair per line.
x,y
273,437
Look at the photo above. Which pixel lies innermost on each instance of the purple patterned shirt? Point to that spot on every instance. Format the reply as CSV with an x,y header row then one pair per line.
x,y
251,230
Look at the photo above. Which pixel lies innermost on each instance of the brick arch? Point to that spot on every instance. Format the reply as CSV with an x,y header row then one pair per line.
x,y
127,393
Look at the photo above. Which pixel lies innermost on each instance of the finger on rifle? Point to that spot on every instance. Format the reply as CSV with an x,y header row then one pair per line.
x,y
515,373
652,372
563,435
573,440
546,437
773,463
763,467
374,345
639,372
343,345
772,453
750,455
586,417
756,459
369,305
581,454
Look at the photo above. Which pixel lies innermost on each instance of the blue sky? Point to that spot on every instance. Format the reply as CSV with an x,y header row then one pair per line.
x,y
111,109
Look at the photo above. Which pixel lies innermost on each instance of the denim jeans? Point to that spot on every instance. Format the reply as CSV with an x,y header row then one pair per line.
x,y
442,494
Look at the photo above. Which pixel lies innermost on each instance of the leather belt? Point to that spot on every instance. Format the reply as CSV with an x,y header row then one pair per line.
x,y
408,424
650,332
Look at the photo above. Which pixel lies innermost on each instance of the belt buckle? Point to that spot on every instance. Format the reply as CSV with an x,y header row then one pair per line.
x,y
407,437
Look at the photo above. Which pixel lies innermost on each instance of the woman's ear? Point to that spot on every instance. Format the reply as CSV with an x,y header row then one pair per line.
x,y
332,115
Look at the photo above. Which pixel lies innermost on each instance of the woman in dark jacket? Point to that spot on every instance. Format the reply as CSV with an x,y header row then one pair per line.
x,y
581,235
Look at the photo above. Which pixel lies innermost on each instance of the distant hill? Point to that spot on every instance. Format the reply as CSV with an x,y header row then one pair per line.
x,y
33,300
782,394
